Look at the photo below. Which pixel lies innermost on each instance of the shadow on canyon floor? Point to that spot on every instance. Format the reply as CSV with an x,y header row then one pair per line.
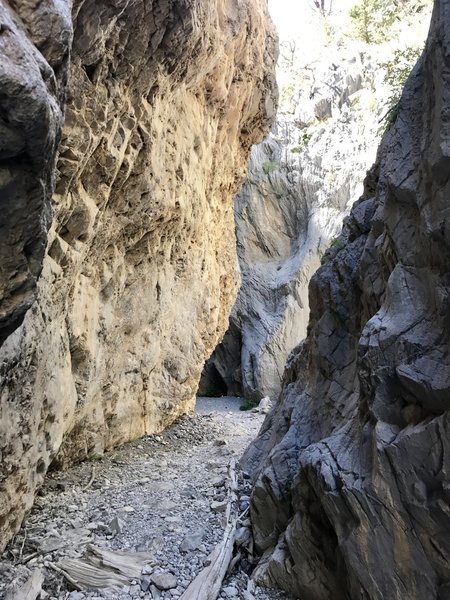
x,y
154,495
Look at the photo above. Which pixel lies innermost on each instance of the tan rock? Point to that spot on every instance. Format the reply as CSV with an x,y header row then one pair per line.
x,y
163,108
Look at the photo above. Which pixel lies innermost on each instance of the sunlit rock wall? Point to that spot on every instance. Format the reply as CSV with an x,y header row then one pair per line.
x,y
165,100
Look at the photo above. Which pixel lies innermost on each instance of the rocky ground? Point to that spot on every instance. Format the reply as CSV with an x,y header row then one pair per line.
x,y
163,495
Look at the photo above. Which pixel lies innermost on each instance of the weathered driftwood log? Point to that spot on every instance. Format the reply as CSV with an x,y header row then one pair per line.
x,y
207,584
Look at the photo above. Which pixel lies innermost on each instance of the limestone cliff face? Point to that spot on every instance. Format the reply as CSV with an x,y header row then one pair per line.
x,y
34,51
164,102
352,465
302,182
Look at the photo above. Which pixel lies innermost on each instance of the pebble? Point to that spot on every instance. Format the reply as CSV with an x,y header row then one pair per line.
x,y
156,593
191,541
164,581
135,590
76,596
145,583
242,536
175,523
147,570
173,519
218,506
230,591
218,482
116,525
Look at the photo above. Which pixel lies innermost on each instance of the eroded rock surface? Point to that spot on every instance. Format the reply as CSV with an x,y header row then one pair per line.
x,y
301,184
165,101
352,465
34,49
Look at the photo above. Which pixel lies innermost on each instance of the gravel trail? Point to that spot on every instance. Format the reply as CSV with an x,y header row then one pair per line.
x,y
162,495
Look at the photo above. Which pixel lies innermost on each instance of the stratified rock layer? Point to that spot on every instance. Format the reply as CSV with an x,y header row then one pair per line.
x,y
165,101
33,70
353,463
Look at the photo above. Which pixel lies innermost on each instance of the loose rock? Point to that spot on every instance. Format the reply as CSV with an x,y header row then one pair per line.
x,y
164,581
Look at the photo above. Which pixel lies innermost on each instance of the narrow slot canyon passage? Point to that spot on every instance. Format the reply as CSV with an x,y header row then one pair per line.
x,y
228,223
161,498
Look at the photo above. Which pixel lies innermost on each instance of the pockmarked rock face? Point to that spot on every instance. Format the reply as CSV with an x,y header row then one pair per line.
x,y
352,465
34,55
165,100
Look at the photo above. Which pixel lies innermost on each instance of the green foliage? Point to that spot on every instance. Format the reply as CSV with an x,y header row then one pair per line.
x,y
399,68
397,72
303,141
270,166
372,21
390,117
336,244
211,391
248,404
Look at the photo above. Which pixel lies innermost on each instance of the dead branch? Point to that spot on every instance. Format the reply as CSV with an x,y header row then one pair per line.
x,y
207,584
66,575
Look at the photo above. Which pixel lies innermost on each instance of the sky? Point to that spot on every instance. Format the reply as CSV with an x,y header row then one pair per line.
x,y
288,16
295,18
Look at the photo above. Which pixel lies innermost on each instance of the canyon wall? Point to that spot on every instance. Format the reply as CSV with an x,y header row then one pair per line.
x,y
301,183
34,50
352,464
164,102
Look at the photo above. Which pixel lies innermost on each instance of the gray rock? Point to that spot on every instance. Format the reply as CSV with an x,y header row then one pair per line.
x,y
302,181
351,468
116,525
192,541
135,590
265,405
164,581
147,570
76,596
33,72
218,506
230,591
155,592
145,583
105,265
242,536
218,482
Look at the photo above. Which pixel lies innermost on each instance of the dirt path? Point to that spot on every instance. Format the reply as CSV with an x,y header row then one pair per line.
x,y
161,495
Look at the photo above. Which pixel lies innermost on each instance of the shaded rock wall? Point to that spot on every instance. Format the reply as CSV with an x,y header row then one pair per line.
x,y
352,465
165,100
302,181
34,50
